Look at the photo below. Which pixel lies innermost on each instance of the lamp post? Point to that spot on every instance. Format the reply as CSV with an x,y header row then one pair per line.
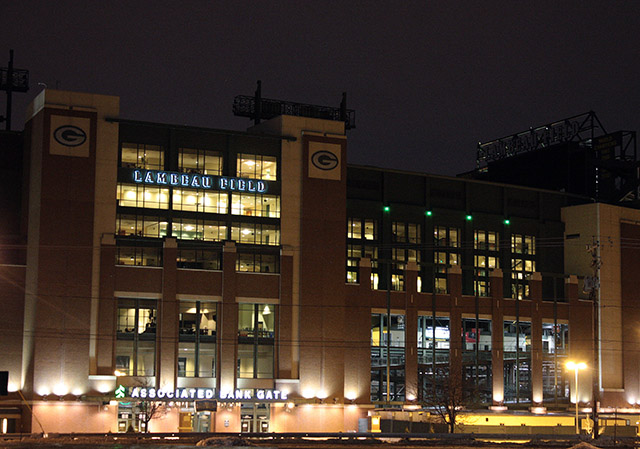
x,y
576,367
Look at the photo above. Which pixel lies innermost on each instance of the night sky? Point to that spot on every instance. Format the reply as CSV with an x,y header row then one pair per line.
x,y
427,79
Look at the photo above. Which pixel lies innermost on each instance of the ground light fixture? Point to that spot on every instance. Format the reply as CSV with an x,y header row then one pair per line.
x,y
575,367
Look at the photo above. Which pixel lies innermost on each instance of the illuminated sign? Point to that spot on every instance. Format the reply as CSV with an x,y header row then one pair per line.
x,y
179,394
121,392
198,181
540,137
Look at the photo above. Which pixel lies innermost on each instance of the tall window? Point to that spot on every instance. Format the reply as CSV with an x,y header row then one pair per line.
x,y
446,254
356,251
197,339
137,155
361,228
256,336
205,162
257,166
433,352
485,259
555,349
406,236
136,337
393,335
476,357
523,264
517,361
359,232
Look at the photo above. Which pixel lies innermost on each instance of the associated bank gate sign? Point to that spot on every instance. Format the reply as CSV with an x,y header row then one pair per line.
x,y
198,181
192,394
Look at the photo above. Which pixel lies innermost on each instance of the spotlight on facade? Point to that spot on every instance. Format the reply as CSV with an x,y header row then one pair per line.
x,y
118,373
386,209
289,406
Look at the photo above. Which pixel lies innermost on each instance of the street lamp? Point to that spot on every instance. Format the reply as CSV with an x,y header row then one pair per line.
x,y
576,367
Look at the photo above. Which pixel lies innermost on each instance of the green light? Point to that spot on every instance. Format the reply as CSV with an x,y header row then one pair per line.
x,y
428,213
469,218
507,221
386,208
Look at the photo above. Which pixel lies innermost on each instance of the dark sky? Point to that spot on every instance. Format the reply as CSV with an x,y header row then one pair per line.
x,y
427,79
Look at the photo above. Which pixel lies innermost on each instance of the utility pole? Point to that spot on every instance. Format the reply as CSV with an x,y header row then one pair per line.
x,y
594,250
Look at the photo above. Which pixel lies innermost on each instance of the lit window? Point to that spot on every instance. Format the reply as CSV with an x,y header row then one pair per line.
x,y
257,166
192,160
148,157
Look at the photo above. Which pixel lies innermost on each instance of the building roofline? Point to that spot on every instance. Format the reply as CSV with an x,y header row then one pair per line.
x,y
457,178
198,128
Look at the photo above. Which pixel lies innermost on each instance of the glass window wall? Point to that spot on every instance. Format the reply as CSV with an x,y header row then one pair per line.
x,y
517,361
433,352
387,341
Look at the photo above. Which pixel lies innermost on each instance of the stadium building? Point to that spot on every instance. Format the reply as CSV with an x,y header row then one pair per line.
x,y
201,280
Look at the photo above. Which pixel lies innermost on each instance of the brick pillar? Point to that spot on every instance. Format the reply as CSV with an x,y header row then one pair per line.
x,y
535,289
284,331
497,335
105,338
229,321
167,338
411,332
454,281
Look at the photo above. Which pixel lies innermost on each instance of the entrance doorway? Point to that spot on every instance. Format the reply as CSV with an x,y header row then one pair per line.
x,y
254,418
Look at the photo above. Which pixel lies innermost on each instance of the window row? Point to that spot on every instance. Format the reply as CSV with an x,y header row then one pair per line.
x,y
198,258
190,229
213,202
197,338
195,160
433,346
443,236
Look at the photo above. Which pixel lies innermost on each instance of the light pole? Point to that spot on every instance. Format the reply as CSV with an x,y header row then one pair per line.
x,y
576,367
